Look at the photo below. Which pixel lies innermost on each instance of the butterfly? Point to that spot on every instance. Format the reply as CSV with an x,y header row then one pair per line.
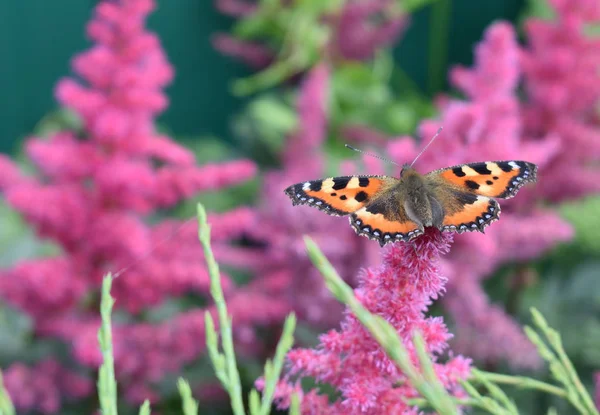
x,y
388,209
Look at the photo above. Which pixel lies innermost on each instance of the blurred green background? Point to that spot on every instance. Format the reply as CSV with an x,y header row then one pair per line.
x,y
38,34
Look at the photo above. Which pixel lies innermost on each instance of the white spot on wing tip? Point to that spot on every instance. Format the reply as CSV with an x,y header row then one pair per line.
x,y
513,164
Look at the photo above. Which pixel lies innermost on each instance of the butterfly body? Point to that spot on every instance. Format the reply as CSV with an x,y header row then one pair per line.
x,y
388,209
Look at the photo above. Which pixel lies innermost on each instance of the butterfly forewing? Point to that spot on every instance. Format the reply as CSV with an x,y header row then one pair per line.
x,y
339,196
501,179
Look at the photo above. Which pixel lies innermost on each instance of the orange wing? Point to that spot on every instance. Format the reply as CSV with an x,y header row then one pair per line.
x,y
338,196
501,179
382,226
474,215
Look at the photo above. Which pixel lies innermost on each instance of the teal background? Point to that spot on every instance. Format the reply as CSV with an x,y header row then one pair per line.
x,y
39,37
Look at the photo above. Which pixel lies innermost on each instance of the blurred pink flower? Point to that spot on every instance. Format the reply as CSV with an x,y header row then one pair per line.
x,y
351,361
363,27
44,386
560,68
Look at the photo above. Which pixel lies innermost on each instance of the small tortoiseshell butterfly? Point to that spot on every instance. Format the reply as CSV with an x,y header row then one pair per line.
x,y
388,209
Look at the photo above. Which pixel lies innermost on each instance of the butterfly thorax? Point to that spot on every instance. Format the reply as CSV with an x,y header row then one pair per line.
x,y
419,201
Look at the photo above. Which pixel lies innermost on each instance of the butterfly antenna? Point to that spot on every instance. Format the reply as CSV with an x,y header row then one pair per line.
x,y
371,154
427,146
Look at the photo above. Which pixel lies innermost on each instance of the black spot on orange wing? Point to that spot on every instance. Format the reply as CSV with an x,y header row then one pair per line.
x,y
361,196
458,172
340,183
363,181
471,184
504,166
464,198
480,168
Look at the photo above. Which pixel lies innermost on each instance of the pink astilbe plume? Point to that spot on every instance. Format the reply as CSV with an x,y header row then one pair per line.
x,y
489,126
560,68
92,195
400,290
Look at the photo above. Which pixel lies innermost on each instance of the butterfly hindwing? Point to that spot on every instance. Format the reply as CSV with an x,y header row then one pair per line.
x,y
385,220
464,211
501,179
339,196
377,227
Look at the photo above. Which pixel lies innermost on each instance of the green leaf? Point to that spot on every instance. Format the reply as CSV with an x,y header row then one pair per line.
x,y
233,386
273,370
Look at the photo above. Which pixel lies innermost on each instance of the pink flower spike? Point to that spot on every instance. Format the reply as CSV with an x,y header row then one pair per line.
x,y
400,291
93,194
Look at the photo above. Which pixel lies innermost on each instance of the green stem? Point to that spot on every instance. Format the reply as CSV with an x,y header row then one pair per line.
x,y
555,341
235,388
107,384
522,382
424,403
273,369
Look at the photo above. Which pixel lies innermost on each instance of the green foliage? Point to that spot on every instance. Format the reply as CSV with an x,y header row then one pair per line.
x,y
550,347
17,240
297,30
583,215
61,119
365,93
